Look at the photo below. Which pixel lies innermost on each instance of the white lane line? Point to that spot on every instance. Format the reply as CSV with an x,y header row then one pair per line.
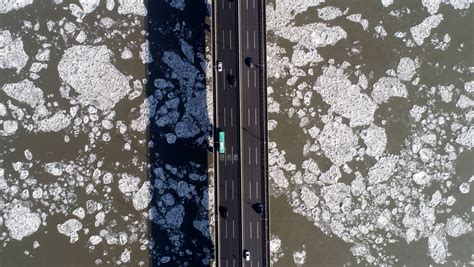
x,y
223,72
223,7
250,230
223,39
250,157
229,4
255,81
225,118
232,192
254,4
250,189
226,229
233,262
257,231
256,157
230,39
258,263
232,153
255,116
226,262
231,118
248,78
233,229
248,116
247,4
247,39
225,155
254,40
256,189
225,188
251,264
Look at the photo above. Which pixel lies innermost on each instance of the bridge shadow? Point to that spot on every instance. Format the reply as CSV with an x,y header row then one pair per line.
x,y
180,231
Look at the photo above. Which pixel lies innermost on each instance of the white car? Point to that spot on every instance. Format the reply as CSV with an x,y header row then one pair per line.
x,y
219,66
247,255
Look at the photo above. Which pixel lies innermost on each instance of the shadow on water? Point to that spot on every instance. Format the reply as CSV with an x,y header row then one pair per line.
x,y
178,167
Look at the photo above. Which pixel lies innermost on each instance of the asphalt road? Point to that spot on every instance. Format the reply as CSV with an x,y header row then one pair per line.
x,y
252,121
229,251
240,111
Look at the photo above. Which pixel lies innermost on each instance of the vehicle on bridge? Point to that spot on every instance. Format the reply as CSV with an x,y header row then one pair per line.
x,y
221,142
247,255
231,79
249,62
219,66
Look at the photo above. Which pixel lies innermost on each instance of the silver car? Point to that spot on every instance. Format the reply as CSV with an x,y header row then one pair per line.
x,y
247,255
219,66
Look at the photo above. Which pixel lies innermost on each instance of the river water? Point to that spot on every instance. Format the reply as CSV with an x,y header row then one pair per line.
x,y
370,109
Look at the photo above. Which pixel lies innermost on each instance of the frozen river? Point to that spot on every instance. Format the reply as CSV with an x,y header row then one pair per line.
x,y
105,116
371,141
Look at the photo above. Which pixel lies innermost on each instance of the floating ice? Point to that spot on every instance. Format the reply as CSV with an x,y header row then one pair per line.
x,y
387,87
89,70
375,139
70,229
21,222
128,183
421,178
10,5
142,197
132,7
423,30
59,121
329,13
456,226
406,69
299,257
338,142
346,99
12,54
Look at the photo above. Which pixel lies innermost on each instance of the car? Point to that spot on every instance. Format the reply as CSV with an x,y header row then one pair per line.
x,y
219,66
223,212
231,79
258,207
221,142
247,255
249,62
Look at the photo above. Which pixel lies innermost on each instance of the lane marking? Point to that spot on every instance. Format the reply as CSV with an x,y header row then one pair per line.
x,y
256,157
254,4
250,157
255,116
255,81
257,231
231,118
247,4
223,39
250,230
258,263
248,78
233,262
247,39
254,40
230,39
250,189
226,229
223,72
256,190
226,262
225,188
223,6
225,156
232,189
233,229
248,116
225,118
232,153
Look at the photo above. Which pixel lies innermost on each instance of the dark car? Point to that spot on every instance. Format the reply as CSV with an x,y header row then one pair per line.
x,y
258,207
249,62
231,79
223,212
